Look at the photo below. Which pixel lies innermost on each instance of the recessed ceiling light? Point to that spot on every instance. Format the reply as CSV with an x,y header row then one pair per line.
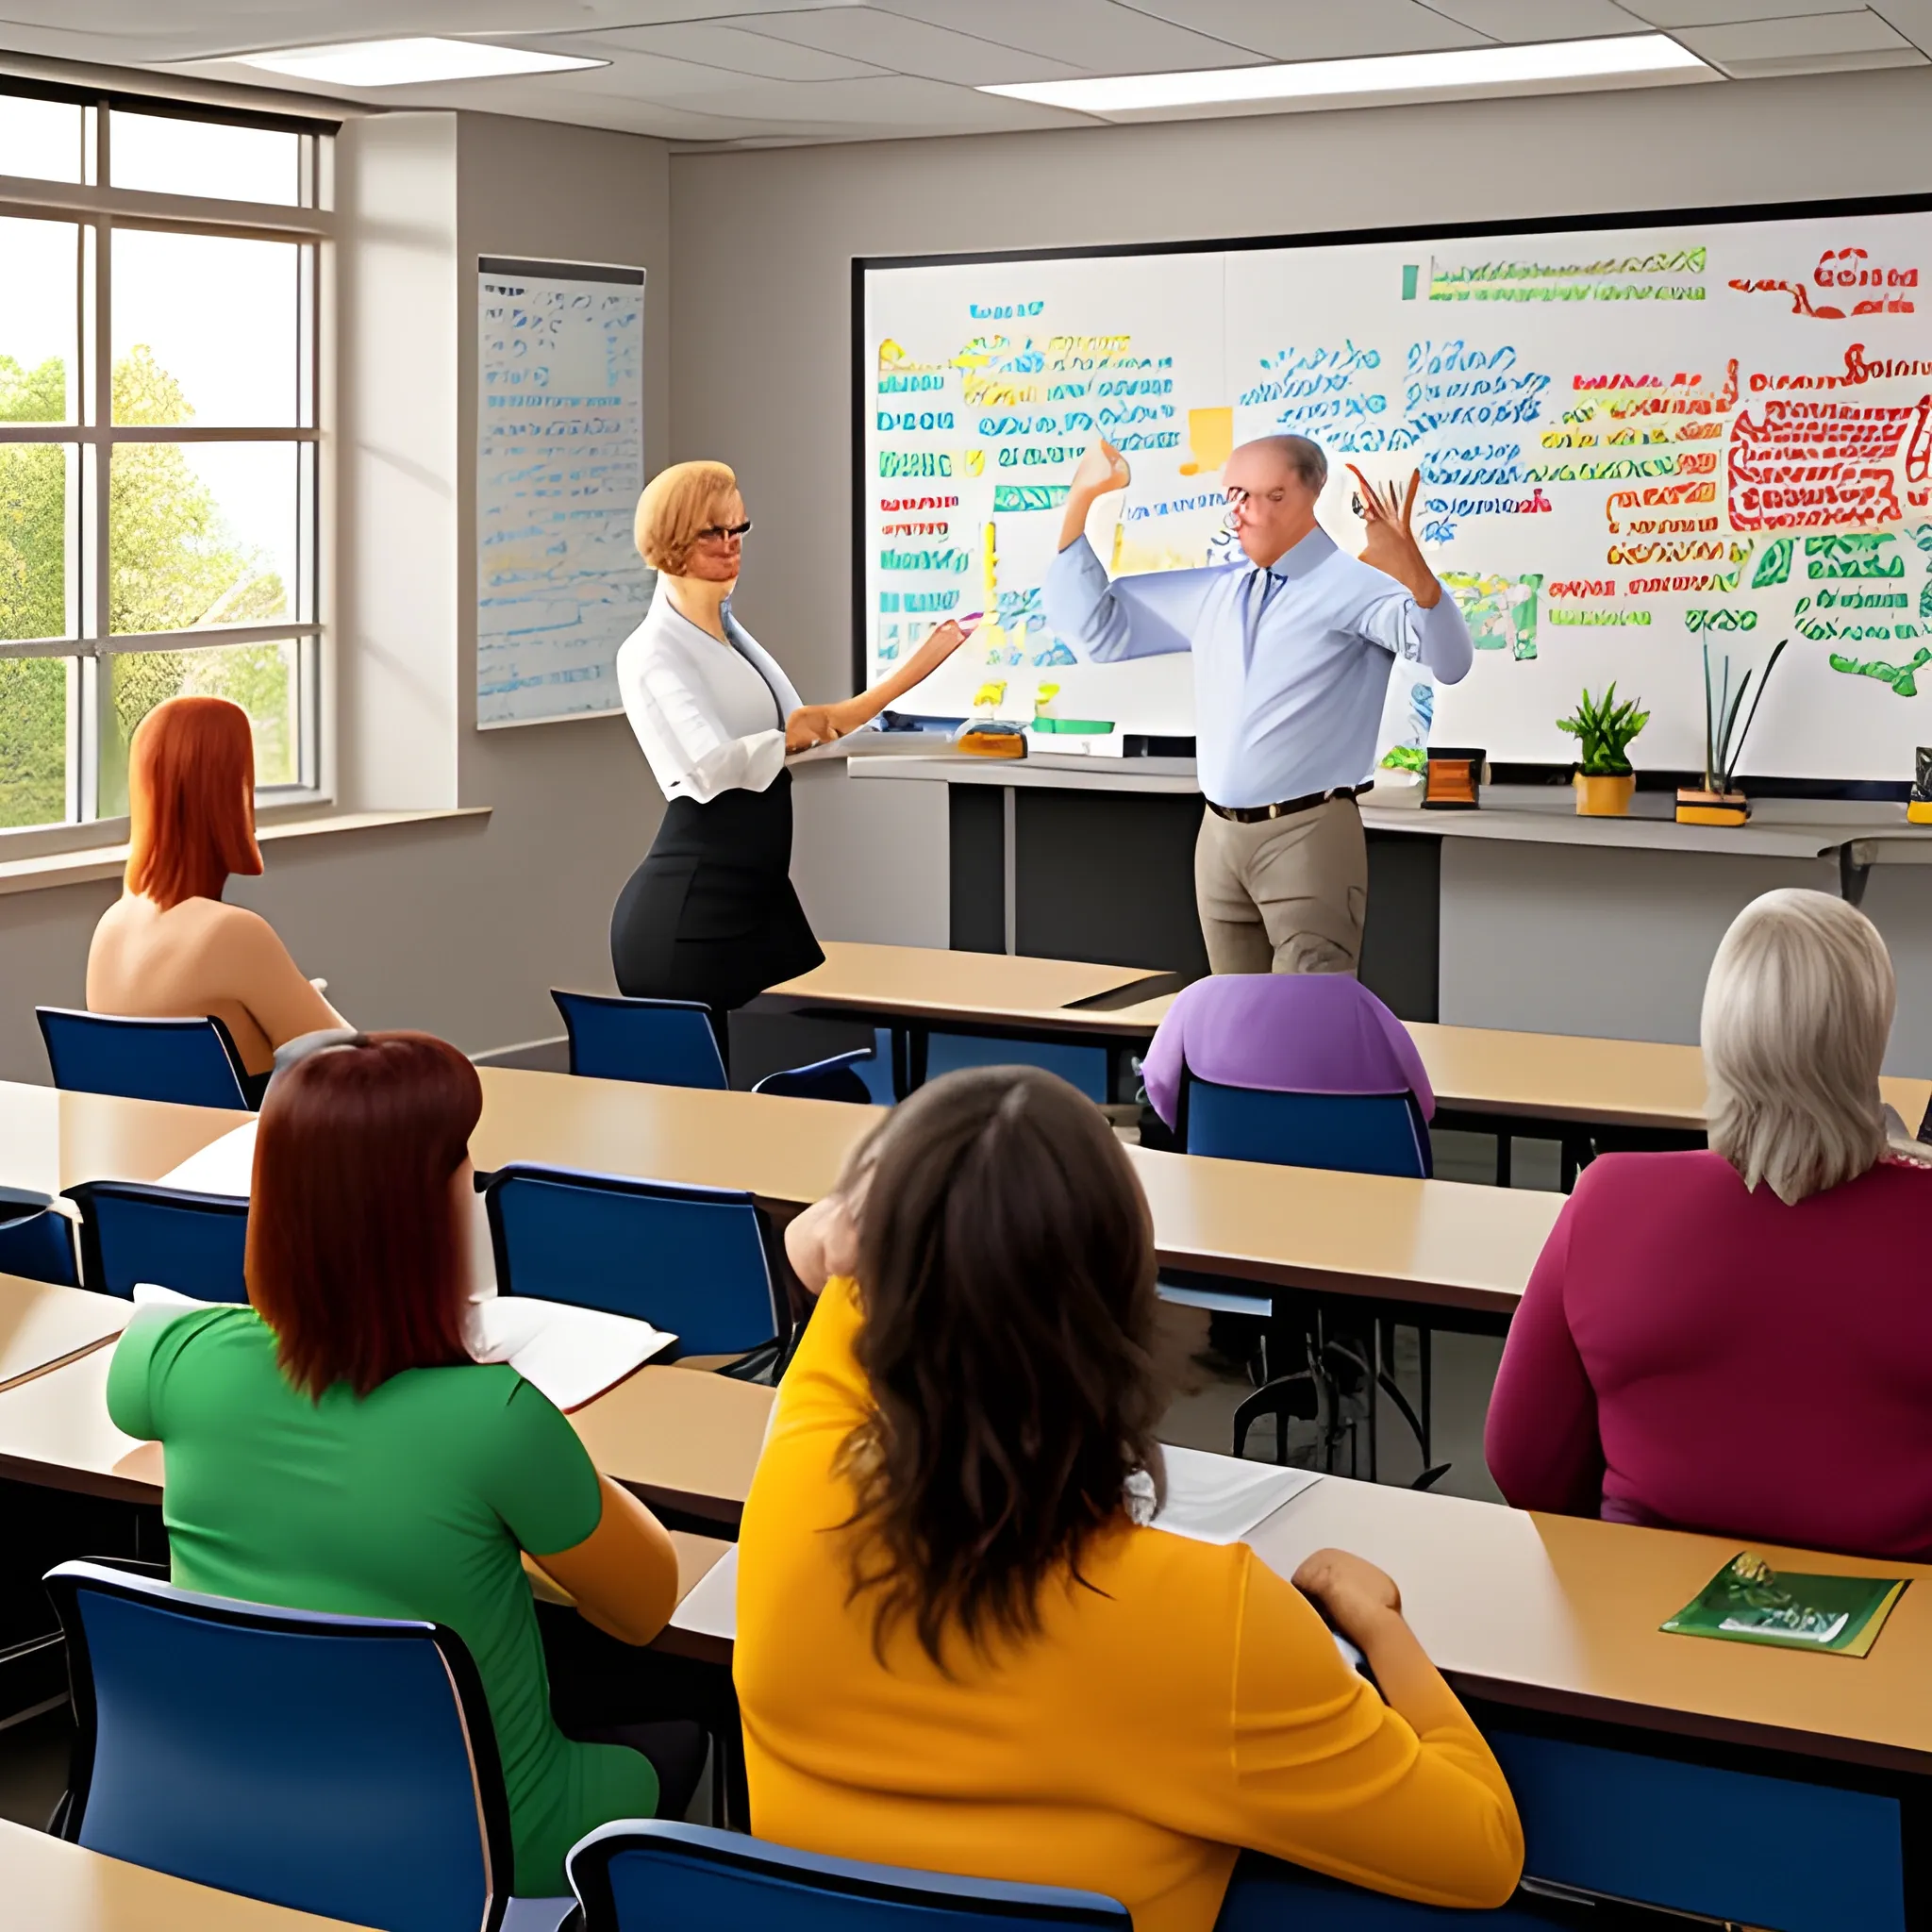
x,y
409,62
1129,96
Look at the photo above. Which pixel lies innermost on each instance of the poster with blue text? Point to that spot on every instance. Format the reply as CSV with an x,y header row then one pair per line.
x,y
560,464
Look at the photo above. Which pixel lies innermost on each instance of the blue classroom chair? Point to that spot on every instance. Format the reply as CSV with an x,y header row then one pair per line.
x,y
1084,1068
692,1260
856,1077
344,1766
1351,1133
134,1231
35,1238
647,1874
667,1043
190,1062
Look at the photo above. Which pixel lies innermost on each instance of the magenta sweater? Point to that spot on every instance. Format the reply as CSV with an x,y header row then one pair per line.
x,y
1692,1355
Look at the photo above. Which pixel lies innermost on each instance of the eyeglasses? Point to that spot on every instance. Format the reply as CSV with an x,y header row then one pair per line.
x,y
1237,498
725,530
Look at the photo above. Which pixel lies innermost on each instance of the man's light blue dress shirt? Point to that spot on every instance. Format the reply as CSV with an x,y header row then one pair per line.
x,y
1291,663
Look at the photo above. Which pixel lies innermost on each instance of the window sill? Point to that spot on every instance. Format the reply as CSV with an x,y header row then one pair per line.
x,y
92,863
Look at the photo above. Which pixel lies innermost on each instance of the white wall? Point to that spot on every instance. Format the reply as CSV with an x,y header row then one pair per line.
x,y
459,926
761,320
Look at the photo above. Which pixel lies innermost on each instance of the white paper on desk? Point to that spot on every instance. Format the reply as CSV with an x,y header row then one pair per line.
x,y
571,1354
228,1167
1218,1499
222,1167
711,1609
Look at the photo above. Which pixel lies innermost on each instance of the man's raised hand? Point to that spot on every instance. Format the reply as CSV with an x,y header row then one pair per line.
x,y
1102,470
1390,544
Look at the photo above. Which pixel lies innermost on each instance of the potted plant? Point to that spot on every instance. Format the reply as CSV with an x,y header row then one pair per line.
x,y
1720,803
1604,779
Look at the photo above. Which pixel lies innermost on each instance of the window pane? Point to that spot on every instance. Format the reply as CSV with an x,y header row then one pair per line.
x,y
206,329
40,138
39,319
36,479
264,679
33,740
166,154
202,533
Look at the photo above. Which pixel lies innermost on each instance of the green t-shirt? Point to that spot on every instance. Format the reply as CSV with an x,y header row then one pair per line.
x,y
411,1502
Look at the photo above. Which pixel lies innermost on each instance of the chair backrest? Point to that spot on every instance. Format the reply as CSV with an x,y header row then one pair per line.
x,y
343,1766
1356,1133
651,1874
35,1238
836,1078
133,1231
1084,1067
688,1260
667,1043
192,1062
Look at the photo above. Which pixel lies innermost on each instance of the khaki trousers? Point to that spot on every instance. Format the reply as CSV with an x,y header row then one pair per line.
x,y
1283,895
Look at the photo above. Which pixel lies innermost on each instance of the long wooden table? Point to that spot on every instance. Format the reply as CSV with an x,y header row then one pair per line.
x,y
51,1886
1419,1243
1544,1078
42,1326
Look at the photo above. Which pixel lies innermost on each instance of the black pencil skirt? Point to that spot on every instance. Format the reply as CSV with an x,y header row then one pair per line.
x,y
710,915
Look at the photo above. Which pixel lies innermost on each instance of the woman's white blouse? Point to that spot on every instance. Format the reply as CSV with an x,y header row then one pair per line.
x,y
710,717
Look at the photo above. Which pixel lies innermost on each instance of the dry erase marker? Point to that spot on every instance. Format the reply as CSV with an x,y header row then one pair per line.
x,y
968,622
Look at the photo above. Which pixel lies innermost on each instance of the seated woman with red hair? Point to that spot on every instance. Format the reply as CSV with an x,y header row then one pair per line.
x,y
167,948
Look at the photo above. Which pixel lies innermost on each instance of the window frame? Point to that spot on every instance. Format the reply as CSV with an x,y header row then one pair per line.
x,y
96,210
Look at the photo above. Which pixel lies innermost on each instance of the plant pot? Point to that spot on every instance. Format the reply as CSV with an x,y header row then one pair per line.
x,y
1696,808
1605,795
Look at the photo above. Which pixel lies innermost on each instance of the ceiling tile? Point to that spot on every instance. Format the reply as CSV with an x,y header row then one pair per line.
x,y
1320,29
1547,20
1912,18
908,46
1791,35
729,49
1676,13
1092,36
848,110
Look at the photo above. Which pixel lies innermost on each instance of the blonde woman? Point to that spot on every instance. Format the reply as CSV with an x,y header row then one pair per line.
x,y
1740,1340
710,915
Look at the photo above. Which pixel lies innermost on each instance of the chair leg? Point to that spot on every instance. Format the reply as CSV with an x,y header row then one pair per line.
x,y
1294,1396
1425,1339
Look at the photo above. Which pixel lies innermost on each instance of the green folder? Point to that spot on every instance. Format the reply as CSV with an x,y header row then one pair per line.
x,y
1748,1602
1074,726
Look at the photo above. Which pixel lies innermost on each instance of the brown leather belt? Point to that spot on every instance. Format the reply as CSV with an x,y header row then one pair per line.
x,y
1254,814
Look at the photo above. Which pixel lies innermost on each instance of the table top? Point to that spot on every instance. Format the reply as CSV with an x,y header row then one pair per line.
x,y
927,982
1444,1243
42,1325
1561,1613
783,1151
50,1140
680,1439
57,1887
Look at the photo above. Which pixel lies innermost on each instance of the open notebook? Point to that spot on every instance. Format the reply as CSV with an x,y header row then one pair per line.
x,y
1211,1499
572,1355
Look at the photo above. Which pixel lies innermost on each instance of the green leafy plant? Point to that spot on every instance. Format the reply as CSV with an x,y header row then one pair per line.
x,y
1724,743
1604,729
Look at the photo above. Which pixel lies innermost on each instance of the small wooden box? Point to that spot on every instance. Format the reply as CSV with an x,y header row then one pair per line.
x,y
1712,807
1454,778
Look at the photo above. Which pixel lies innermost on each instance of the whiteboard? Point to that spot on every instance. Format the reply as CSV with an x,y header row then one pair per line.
x,y
1637,439
559,466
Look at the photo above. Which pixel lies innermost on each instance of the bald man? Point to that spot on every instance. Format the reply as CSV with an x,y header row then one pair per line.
x,y
1292,651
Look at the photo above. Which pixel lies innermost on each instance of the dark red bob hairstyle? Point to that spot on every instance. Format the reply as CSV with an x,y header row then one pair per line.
x,y
355,1247
191,798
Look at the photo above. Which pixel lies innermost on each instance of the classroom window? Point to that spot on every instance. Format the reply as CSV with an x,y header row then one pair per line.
x,y
160,442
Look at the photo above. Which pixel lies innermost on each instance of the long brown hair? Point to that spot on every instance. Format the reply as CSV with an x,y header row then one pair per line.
x,y
190,801
354,1252
1006,1261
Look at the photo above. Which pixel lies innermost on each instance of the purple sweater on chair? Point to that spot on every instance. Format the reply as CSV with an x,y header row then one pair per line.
x,y
1284,1033
1696,1356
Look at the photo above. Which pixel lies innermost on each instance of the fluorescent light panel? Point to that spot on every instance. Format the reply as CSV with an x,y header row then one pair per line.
x,y
1385,74
409,62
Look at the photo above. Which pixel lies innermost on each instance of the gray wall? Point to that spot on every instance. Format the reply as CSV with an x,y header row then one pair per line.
x,y
761,318
459,926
